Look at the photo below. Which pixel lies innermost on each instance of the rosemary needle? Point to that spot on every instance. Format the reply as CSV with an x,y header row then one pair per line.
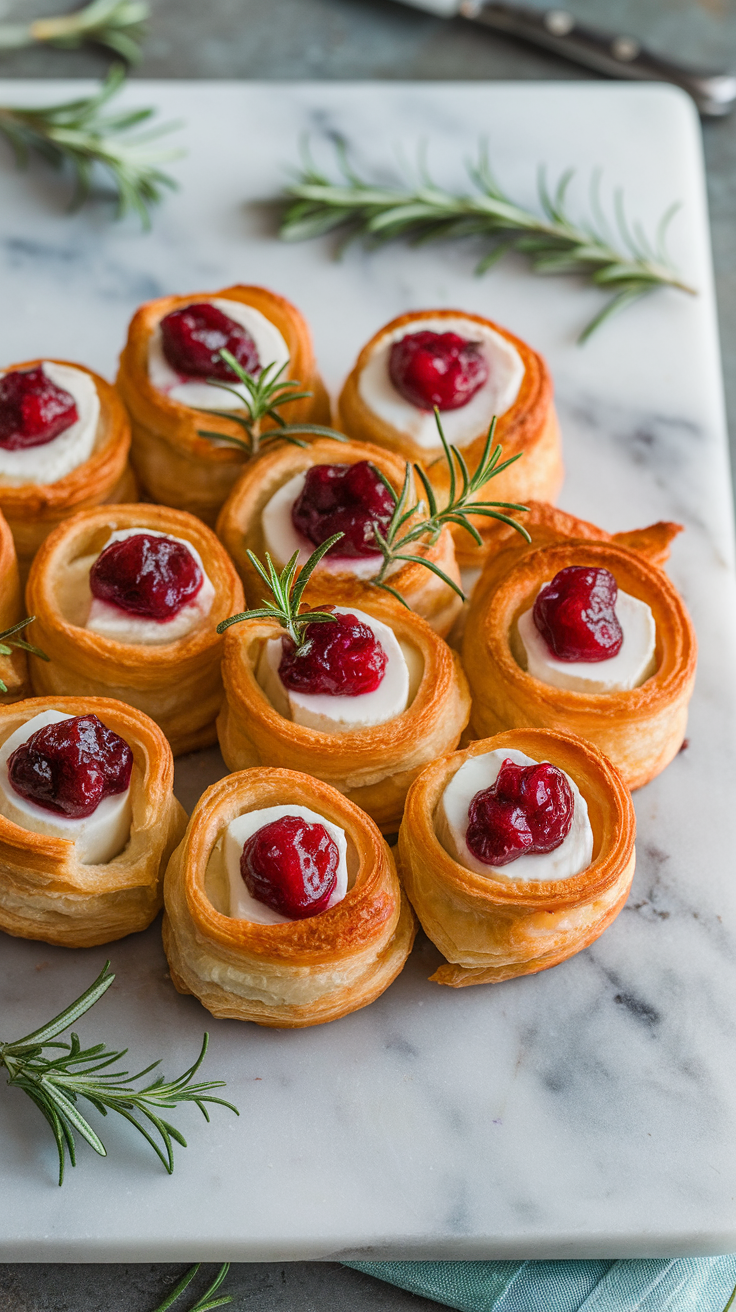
x,y
8,641
206,1301
628,265
117,24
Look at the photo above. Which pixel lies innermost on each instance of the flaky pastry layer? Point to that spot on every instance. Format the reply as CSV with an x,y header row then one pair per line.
x,y
13,668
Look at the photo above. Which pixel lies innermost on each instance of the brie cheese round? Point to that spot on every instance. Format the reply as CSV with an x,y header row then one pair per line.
x,y
97,837
51,461
195,392
634,664
495,397
574,854
243,906
113,622
340,714
281,539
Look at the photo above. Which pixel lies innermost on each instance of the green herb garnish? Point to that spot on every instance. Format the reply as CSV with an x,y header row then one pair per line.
x,y
628,265
206,1301
57,1083
7,642
117,24
286,590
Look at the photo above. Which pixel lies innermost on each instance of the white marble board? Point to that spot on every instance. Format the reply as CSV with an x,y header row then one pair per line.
x,y
590,1110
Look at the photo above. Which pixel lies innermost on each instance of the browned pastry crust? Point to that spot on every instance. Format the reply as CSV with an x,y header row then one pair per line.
x,y
178,683
529,425
176,466
34,509
490,928
239,527
45,892
639,730
373,767
13,668
304,972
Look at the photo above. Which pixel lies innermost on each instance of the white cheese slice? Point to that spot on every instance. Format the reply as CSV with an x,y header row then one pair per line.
x,y
634,664
55,459
243,906
574,854
97,837
113,622
281,539
197,393
495,397
340,714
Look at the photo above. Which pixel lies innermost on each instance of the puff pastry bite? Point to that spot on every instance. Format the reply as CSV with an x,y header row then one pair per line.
x,y
472,369
64,444
88,819
172,348
516,853
289,493
282,903
587,637
378,696
127,600
13,666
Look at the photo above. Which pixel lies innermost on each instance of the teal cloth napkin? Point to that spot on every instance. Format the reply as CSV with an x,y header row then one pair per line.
x,y
697,1284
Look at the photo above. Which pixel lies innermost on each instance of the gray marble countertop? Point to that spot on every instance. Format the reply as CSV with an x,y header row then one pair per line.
x,y
359,39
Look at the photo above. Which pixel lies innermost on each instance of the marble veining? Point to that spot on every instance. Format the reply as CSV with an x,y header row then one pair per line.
x,y
587,1111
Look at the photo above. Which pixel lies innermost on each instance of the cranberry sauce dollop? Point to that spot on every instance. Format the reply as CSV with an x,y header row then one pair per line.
x,y
345,499
341,658
437,369
576,615
33,410
70,766
528,810
146,575
193,337
291,866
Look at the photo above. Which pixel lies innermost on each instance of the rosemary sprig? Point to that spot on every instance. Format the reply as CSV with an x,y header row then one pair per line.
x,y
56,1083
7,642
267,393
427,521
286,590
629,265
78,134
206,1301
117,24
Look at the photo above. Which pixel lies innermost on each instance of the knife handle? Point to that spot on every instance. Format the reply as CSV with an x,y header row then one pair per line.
x,y
618,56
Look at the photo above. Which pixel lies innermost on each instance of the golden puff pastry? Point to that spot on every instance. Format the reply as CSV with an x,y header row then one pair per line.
x,y
177,466
491,927
299,972
46,892
372,766
640,729
240,528
177,683
33,510
528,425
13,668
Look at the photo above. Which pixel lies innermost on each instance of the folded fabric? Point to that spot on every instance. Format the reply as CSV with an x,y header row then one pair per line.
x,y
696,1284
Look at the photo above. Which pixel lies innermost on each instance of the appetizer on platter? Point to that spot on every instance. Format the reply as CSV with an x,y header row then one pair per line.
x,y
292,499
167,368
516,853
64,444
127,601
471,369
586,636
282,903
88,819
13,662
359,692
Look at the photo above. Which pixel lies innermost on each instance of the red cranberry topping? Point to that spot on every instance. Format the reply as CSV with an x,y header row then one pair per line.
x,y
341,657
193,337
70,766
146,575
345,499
528,809
437,369
33,410
291,866
576,615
